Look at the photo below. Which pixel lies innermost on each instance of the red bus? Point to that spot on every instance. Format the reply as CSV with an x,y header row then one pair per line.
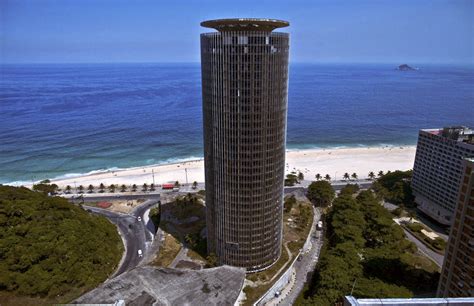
x,y
167,186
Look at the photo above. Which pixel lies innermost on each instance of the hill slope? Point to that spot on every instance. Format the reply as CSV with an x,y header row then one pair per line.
x,y
50,250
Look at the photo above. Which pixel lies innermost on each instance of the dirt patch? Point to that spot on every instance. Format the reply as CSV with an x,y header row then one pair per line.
x,y
124,206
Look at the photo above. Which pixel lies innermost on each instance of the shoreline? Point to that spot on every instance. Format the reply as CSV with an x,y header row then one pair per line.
x,y
332,161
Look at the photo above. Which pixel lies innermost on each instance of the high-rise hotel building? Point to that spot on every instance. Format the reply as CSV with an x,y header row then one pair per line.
x,y
437,172
245,98
457,276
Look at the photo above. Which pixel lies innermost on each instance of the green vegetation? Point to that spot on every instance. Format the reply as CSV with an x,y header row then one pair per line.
x,y
395,187
321,193
289,203
349,189
50,250
168,251
415,227
437,244
45,187
291,179
300,176
367,252
186,224
155,216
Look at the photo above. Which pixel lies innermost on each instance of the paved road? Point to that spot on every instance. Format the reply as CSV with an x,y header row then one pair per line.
x,y
306,265
437,258
137,234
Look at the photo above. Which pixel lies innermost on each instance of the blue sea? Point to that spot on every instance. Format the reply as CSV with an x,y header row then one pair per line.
x,y
64,120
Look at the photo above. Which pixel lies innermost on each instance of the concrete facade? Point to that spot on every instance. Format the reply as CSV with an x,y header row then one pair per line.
x,y
438,169
457,276
245,97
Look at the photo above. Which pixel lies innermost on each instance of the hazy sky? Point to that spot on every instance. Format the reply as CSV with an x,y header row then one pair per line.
x,y
395,31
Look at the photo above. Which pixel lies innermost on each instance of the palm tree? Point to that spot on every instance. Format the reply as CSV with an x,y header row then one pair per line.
x,y
380,173
112,188
145,187
371,175
317,176
81,189
90,188
354,176
346,176
300,176
134,187
327,177
101,187
123,188
68,189
152,187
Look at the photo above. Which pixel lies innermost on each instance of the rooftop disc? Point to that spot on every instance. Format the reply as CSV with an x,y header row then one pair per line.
x,y
245,24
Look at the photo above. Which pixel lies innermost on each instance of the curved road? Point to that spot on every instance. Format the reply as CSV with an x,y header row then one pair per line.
x,y
136,234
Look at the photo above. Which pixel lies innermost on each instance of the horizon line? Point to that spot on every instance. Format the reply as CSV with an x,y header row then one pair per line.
x,y
294,62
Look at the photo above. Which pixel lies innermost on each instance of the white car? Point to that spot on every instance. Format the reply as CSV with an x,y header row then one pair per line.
x,y
140,253
139,218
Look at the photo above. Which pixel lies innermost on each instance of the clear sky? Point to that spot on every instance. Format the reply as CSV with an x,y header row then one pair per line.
x,y
391,31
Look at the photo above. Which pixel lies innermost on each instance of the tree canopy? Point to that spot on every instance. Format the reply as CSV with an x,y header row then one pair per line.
x,y
395,187
321,193
49,247
366,253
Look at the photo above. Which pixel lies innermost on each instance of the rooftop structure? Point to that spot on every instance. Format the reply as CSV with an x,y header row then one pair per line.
x,y
438,169
245,95
352,301
245,24
457,276
148,285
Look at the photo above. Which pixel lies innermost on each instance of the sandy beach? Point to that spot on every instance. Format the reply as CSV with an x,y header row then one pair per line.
x,y
334,162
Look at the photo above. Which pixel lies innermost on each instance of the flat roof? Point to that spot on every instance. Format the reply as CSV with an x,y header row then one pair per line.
x,y
352,301
245,24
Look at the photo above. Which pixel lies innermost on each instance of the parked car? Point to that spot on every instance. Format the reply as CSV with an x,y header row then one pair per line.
x,y
140,253
139,218
319,226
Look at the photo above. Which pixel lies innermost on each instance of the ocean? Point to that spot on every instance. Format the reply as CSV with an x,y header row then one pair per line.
x,y
60,120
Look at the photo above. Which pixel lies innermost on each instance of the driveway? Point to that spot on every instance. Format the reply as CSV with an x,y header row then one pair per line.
x,y
302,268
136,234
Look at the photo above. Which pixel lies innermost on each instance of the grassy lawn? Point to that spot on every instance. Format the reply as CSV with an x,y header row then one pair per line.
x,y
168,252
420,262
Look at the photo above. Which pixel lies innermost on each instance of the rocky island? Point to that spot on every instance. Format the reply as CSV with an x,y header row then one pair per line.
x,y
405,67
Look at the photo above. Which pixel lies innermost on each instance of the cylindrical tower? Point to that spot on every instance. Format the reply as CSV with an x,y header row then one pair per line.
x,y
245,98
